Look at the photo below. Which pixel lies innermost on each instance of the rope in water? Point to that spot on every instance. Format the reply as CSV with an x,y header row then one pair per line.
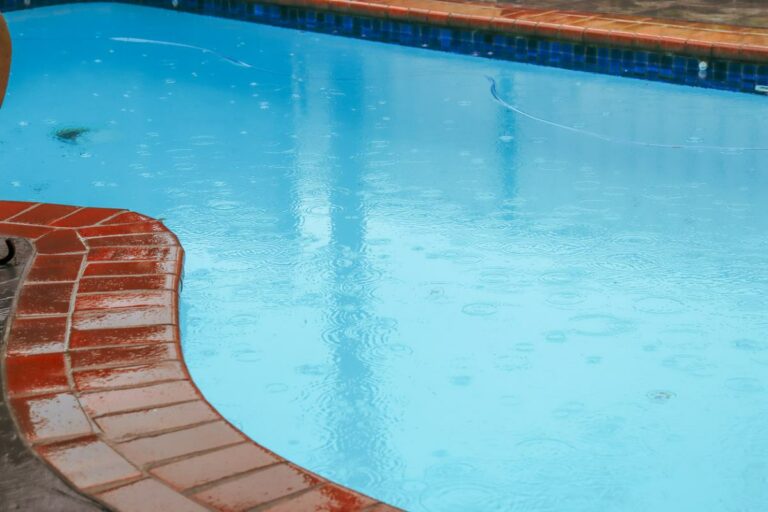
x,y
137,40
605,138
494,93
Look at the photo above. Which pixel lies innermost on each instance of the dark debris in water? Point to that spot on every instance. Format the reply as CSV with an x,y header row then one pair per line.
x,y
71,135
660,396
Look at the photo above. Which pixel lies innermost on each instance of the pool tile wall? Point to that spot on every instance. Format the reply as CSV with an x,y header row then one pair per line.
x,y
699,54
97,383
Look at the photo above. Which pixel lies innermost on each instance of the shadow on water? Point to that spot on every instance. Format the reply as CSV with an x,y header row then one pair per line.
x,y
352,336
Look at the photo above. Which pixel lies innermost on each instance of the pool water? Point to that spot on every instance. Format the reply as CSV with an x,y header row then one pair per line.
x,y
411,288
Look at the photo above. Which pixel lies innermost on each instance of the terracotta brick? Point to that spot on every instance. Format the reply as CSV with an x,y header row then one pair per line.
x,y
126,426
164,298
41,373
121,318
122,229
123,356
661,36
115,284
93,380
45,299
699,48
339,5
48,268
476,22
596,35
148,496
10,208
256,488
571,33
85,217
123,268
134,240
370,9
58,242
128,336
525,26
134,254
326,498
161,447
672,44
147,397
43,214
128,218
37,335
418,14
397,12
23,230
547,29
647,42
754,52
438,17
725,50
88,463
622,38
209,467
516,12
48,417
503,24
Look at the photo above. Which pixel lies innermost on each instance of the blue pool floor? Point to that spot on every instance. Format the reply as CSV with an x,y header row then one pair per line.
x,y
400,283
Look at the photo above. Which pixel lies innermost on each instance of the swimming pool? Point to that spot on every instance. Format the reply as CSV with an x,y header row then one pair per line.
x,y
396,280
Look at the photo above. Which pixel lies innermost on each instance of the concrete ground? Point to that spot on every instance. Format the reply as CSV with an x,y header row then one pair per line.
x,y
26,483
752,13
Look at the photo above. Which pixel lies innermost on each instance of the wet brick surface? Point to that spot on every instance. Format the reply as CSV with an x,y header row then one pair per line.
x,y
26,483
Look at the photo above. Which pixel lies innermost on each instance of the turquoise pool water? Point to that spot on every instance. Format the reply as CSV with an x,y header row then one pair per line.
x,y
399,282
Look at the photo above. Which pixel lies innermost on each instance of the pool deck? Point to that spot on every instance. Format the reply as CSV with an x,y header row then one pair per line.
x,y
696,39
746,13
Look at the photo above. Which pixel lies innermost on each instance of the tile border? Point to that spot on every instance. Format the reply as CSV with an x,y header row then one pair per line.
x,y
97,383
698,54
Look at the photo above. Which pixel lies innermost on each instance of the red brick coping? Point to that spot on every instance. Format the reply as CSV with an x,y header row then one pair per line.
x,y
5,57
97,383
702,40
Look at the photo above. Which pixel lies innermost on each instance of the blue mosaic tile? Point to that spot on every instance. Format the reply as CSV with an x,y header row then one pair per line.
x,y
720,74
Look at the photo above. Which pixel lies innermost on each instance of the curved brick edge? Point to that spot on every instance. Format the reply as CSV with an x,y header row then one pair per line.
x,y
5,58
98,386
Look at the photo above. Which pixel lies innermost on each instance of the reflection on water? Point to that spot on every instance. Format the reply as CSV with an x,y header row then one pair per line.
x,y
396,282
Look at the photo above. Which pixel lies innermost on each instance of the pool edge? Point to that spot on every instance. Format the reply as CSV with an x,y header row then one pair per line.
x,y
725,57
97,382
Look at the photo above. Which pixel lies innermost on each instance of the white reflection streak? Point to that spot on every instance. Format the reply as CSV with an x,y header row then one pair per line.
x,y
137,40
606,138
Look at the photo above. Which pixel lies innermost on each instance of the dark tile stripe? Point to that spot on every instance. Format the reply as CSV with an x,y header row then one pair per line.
x,y
672,53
